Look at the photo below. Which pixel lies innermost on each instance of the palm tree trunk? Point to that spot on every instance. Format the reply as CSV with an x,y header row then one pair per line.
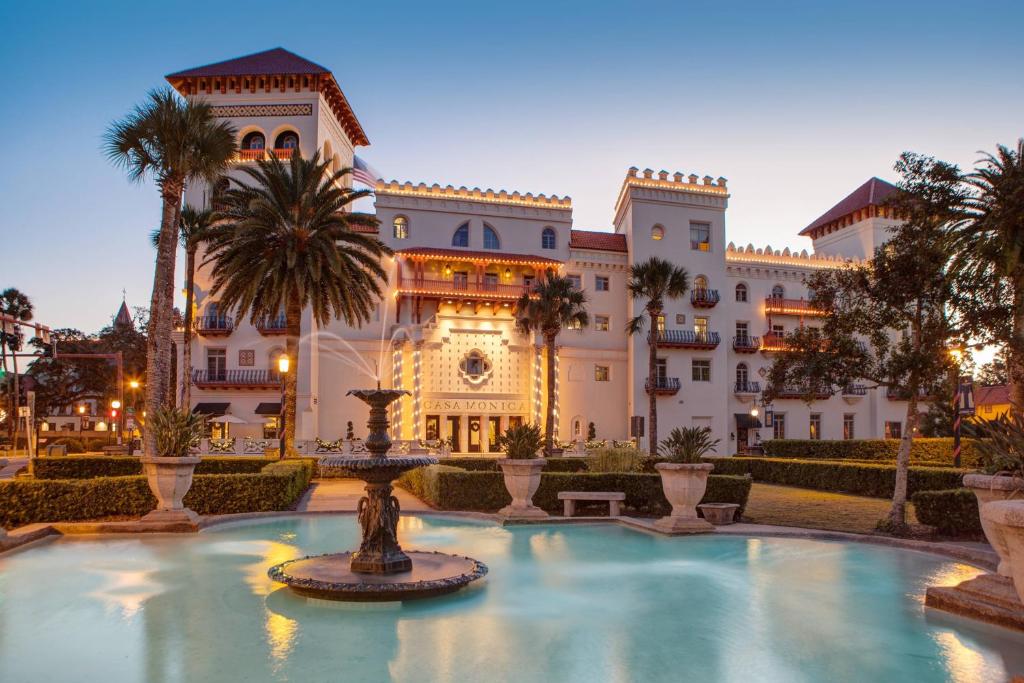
x,y
549,423
15,402
1015,355
185,371
158,333
652,380
293,323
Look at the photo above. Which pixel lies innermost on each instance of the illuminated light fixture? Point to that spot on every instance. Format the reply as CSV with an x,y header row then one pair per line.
x,y
505,304
447,269
81,410
508,273
450,301
134,384
753,411
115,404
283,363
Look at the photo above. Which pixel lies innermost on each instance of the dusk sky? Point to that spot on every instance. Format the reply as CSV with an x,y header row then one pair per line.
x,y
796,103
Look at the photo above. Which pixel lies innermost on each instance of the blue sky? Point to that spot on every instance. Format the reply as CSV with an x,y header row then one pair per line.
x,y
796,103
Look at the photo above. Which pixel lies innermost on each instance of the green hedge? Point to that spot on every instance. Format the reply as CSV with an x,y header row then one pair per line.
x,y
953,512
487,464
451,488
865,479
922,450
276,487
90,466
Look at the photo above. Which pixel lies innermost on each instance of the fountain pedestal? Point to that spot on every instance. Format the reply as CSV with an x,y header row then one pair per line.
x,y
380,570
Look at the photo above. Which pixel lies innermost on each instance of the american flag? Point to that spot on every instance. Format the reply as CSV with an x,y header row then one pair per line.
x,y
363,173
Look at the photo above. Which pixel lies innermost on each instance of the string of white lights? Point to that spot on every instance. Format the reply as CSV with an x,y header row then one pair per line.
x,y
396,382
536,386
417,389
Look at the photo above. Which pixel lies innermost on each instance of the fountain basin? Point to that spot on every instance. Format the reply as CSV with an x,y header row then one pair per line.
x,y
329,577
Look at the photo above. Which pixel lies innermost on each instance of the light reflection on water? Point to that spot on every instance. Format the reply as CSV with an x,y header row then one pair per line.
x,y
580,603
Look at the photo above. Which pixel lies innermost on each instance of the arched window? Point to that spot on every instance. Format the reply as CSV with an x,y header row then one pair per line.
x,y
657,233
287,140
741,292
778,292
254,140
742,374
491,240
400,227
461,236
547,239
700,284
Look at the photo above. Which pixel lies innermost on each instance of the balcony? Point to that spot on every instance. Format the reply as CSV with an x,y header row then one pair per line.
x,y
663,386
801,307
272,326
773,341
236,379
746,388
821,394
461,289
852,393
687,339
704,298
245,155
214,325
901,394
745,343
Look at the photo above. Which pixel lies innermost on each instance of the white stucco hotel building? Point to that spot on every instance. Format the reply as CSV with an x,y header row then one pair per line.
x,y
463,256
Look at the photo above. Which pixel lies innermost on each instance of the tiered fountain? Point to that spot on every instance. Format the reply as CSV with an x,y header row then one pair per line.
x,y
380,570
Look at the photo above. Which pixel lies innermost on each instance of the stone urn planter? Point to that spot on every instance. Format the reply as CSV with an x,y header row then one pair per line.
x,y
169,480
684,486
1007,518
522,477
992,488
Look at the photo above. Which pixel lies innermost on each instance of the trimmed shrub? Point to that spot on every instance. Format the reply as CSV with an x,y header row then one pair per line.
x,y
477,464
276,487
73,444
953,512
615,460
90,466
451,488
864,479
924,450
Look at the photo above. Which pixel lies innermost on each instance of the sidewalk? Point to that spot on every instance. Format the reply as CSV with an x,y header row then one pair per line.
x,y
13,465
342,495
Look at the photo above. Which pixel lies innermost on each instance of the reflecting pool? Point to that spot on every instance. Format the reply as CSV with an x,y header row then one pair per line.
x,y
561,603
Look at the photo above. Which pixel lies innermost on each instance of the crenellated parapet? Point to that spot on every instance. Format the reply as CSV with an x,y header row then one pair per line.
x,y
436,191
785,257
676,187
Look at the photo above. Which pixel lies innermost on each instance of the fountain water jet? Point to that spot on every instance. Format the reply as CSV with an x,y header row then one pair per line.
x,y
380,570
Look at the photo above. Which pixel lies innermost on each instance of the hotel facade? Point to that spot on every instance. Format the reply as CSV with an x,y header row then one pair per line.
x,y
445,332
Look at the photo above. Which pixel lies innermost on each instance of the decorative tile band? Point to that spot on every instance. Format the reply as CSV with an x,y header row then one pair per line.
x,y
252,110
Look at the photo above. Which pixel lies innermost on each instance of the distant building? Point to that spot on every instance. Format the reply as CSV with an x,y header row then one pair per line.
x,y
462,258
993,402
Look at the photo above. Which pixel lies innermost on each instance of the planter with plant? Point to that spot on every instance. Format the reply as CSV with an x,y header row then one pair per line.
x,y
521,469
1001,447
170,472
684,478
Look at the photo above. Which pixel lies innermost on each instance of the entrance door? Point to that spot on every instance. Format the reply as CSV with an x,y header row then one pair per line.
x,y
493,430
475,437
453,432
433,427
741,440
515,421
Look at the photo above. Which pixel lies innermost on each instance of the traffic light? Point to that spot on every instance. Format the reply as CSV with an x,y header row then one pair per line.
x,y
113,413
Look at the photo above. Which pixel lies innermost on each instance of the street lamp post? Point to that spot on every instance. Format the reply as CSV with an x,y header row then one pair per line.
x,y
282,366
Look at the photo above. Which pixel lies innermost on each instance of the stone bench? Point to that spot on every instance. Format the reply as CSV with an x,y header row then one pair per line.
x,y
614,499
719,514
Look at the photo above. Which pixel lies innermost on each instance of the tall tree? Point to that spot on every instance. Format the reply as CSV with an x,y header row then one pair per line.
x,y
886,321
176,142
284,242
654,280
988,246
18,306
551,304
994,372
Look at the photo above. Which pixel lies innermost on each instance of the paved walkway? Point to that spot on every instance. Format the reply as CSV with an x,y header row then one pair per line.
x,y
12,465
342,495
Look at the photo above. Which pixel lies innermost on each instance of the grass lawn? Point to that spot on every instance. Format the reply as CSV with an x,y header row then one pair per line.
x,y
809,509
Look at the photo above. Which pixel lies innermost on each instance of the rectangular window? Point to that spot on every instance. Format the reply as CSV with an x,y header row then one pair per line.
x,y
700,370
700,327
601,283
217,364
270,427
700,236
490,282
576,281
778,329
848,426
742,332
661,323
815,431
893,430
779,425
433,427
460,279
601,323
661,369
601,373
680,318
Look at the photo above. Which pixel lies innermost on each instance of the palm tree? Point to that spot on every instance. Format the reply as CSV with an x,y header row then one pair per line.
x,y
988,243
14,304
551,304
285,242
175,142
654,280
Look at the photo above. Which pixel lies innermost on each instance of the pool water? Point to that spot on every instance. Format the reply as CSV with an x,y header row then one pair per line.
x,y
561,603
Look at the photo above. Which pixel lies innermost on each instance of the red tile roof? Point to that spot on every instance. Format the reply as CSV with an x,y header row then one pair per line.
x,y
275,62
467,255
599,241
992,396
871,193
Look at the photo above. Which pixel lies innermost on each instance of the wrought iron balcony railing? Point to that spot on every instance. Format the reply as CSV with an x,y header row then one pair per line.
x,y
745,343
663,385
820,393
774,305
213,325
855,390
242,377
747,388
687,339
704,298
272,325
